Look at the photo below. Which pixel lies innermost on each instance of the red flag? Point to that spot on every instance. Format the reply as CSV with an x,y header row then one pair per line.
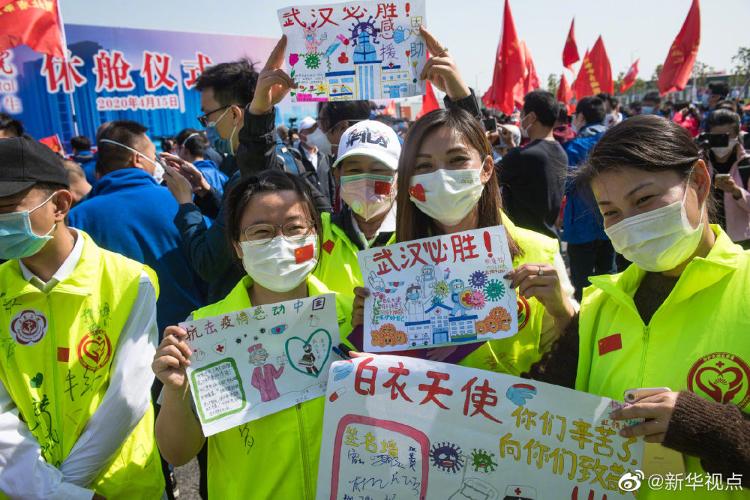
x,y
570,52
36,24
681,57
510,69
531,79
429,101
54,143
630,77
565,93
595,75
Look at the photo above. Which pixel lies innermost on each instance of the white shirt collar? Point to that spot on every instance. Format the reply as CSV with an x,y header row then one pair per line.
x,y
387,226
65,270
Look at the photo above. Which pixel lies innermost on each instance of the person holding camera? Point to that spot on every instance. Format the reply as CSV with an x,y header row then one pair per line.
x,y
729,164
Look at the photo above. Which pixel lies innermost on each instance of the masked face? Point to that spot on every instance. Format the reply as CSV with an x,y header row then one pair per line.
x,y
25,231
319,140
145,161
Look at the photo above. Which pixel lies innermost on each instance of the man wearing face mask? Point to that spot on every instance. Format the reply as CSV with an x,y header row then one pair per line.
x,y
313,158
531,178
129,213
650,104
589,250
366,171
78,317
730,167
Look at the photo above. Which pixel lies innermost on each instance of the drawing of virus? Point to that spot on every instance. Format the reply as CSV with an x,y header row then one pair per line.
x,y
494,290
477,299
442,289
312,61
447,457
478,279
483,461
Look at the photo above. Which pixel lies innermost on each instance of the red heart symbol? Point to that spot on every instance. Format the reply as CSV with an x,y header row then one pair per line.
x,y
408,53
417,192
713,387
343,59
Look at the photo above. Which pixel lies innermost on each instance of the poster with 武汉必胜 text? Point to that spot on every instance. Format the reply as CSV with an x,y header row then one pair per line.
x,y
355,50
406,428
439,291
251,363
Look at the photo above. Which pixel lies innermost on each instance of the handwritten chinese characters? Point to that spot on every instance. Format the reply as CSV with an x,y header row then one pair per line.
x,y
355,50
407,428
438,291
251,363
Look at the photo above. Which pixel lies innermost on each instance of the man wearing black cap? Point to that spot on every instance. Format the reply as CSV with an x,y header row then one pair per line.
x,y
77,333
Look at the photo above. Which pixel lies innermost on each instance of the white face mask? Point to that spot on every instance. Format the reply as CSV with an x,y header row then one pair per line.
x,y
659,240
524,130
158,174
280,265
723,151
320,141
447,195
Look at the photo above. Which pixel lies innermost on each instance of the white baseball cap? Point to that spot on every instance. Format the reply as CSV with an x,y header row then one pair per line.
x,y
306,123
370,138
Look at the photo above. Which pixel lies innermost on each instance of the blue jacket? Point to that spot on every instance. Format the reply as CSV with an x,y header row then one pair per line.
x,y
215,177
582,221
132,215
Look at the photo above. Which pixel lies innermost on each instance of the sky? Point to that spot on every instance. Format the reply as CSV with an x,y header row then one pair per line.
x,y
631,29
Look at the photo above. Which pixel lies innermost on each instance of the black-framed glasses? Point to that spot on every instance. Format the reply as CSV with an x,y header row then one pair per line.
x,y
293,230
203,119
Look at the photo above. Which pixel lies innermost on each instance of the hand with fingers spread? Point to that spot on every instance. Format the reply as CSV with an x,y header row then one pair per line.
x,y
656,409
542,282
189,171
441,69
171,358
358,311
273,83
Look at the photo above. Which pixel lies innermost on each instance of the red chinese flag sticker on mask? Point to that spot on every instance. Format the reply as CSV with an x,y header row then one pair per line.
x,y
305,253
417,192
382,188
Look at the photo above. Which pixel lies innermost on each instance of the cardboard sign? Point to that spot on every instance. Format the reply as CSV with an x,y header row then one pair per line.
x,y
444,290
258,361
355,50
407,428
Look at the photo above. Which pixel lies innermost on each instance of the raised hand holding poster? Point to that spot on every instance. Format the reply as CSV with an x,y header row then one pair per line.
x,y
258,361
355,50
439,291
406,428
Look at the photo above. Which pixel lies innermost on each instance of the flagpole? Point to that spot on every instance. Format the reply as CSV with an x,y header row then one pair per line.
x,y
74,114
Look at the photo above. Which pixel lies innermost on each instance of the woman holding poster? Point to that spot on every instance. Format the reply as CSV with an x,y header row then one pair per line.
x,y
675,320
446,185
274,229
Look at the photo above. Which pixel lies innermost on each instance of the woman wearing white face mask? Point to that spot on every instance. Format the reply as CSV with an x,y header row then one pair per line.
x,y
730,168
274,228
676,318
446,184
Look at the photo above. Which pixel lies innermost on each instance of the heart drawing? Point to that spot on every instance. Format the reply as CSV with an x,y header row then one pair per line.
x,y
309,356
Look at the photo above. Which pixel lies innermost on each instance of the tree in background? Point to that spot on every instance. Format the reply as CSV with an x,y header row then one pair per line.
x,y
553,82
741,62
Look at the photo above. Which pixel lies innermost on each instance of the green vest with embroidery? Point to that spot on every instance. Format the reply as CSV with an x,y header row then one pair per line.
x,y
56,352
697,340
275,456
516,354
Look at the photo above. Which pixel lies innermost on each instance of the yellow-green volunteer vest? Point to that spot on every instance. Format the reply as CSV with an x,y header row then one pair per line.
x,y
277,455
698,339
516,354
338,267
56,352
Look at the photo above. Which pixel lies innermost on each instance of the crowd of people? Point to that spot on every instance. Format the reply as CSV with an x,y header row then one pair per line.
x,y
628,228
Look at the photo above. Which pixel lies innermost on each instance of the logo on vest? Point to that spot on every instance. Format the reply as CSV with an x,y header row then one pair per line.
x,y
722,376
94,350
524,311
28,327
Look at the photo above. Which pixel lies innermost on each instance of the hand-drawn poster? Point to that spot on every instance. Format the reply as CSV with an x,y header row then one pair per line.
x,y
355,50
438,291
251,363
406,428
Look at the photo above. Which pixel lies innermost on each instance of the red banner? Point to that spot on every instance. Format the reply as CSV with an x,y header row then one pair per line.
x,y
681,57
31,22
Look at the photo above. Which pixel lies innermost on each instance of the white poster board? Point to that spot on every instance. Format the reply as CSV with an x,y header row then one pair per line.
x,y
439,291
254,362
355,50
405,428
